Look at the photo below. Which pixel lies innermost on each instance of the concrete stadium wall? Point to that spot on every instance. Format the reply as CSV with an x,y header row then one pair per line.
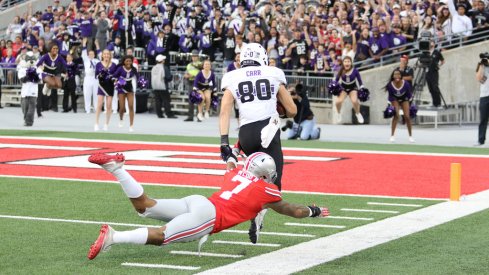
x,y
6,17
457,85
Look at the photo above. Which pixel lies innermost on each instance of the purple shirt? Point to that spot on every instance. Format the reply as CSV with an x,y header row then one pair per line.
x,y
403,93
203,83
86,27
378,44
52,66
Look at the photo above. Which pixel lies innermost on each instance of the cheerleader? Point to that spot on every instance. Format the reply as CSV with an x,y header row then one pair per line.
x,y
90,84
205,84
399,95
69,85
127,72
349,80
51,65
103,72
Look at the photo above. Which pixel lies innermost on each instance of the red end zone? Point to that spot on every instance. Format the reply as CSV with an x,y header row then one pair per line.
x,y
309,171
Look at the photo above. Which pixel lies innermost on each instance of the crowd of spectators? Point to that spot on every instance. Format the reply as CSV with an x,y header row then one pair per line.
x,y
311,35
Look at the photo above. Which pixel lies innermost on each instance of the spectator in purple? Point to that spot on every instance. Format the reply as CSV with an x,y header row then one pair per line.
x,y
187,42
64,45
48,16
229,48
156,47
397,39
378,45
116,47
206,41
8,62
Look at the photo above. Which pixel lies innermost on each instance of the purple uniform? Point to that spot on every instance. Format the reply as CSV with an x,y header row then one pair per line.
x,y
52,66
86,27
350,81
105,84
202,83
127,75
231,67
399,94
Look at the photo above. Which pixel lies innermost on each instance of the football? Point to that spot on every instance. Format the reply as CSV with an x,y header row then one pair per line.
x,y
280,109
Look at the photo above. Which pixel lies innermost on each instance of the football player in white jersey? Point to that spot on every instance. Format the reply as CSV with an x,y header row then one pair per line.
x,y
255,87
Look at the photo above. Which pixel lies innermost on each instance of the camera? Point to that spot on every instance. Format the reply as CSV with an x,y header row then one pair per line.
x,y
484,58
424,47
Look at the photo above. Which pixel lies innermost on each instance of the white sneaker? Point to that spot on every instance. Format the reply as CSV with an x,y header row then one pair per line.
x,y
200,117
131,129
121,123
411,140
392,139
106,127
338,117
360,118
45,90
96,128
206,115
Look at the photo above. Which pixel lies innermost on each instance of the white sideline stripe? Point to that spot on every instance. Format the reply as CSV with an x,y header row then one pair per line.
x,y
179,267
214,145
140,225
394,204
349,218
313,225
193,253
214,187
294,259
247,243
270,233
370,210
46,147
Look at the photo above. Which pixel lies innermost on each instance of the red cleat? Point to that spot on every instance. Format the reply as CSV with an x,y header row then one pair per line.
x,y
108,162
102,243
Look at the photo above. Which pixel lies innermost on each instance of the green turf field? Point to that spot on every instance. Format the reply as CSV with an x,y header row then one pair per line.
x,y
60,246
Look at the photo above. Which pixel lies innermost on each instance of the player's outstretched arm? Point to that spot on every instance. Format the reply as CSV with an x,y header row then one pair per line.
x,y
297,210
286,99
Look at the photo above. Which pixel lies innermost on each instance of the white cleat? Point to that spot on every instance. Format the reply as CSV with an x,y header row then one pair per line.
x,y
206,115
96,128
46,90
200,117
121,123
109,239
392,139
411,140
106,127
131,129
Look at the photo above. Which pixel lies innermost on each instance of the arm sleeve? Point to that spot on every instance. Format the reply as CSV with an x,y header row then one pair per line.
x,y
225,82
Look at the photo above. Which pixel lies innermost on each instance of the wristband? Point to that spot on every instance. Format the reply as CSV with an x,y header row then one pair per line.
x,y
224,139
314,211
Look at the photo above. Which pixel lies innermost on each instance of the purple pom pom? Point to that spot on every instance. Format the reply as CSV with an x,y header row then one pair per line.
x,y
32,75
142,82
334,88
195,98
413,111
119,84
363,94
389,111
214,102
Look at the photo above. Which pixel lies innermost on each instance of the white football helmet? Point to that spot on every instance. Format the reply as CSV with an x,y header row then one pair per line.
x,y
253,54
261,165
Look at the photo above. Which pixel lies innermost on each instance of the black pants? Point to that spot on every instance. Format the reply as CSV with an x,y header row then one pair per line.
x,y
191,106
54,100
162,98
40,100
69,87
484,112
0,93
250,142
433,87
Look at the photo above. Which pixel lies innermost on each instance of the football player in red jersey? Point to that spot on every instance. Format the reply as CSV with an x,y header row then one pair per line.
x,y
243,195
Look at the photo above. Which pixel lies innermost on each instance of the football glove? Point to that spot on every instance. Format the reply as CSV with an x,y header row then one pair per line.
x,y
227,153
316,212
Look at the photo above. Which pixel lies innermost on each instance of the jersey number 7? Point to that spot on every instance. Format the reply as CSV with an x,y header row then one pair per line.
x,y
244,182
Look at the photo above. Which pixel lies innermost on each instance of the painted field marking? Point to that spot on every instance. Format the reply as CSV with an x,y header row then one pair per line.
x,y
140,225
370,210
193,253
179,267
247,243
45,147
271,233
292,259
314,225
394,204
348,218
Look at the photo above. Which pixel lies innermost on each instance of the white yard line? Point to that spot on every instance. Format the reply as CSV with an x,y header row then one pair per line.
x,y
247,243
314,225
205,254
271,233
318,251
214,187
369,210
214,146
394,204
178,267
350,218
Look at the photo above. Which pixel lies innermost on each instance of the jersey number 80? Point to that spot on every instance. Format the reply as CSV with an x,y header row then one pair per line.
x,y
261,89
